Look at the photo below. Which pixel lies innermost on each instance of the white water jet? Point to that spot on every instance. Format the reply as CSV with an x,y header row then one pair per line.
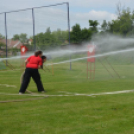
x,y
96,56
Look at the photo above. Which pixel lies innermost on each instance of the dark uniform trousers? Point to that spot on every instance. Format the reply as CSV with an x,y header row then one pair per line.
x,y
34,73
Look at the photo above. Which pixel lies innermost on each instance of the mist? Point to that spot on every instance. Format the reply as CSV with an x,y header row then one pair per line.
x,y
105,44
108,42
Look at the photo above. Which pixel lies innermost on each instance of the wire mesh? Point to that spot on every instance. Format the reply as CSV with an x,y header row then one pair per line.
x,y
51,26
36,28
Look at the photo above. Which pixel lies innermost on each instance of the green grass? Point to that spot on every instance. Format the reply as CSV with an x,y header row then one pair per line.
x,y
106,114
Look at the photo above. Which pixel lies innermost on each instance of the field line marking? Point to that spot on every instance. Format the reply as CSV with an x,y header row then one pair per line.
x,y
107,93
75,94
8,85
22,100
9,70
15,87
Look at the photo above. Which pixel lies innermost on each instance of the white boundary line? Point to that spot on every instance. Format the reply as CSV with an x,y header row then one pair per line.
x,y
6,85
75,94
9,70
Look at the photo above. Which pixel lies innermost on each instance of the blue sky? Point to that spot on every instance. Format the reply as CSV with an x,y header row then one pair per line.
x,y
80,10
75,5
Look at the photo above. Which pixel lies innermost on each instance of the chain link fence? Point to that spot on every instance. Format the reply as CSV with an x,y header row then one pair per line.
x,y
37,28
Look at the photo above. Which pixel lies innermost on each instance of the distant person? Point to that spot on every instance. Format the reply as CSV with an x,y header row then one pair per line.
x,y
33,63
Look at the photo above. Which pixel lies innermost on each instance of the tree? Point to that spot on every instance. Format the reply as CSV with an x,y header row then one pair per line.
x,y
23,38
86,34
93,26
48,30
104,26
59,37
47,37
76,34
40,39
14,51
1,36
120,8
16,37
124,24
2,46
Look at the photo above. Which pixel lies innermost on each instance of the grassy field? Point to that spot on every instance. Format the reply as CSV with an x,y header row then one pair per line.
x,y
69,114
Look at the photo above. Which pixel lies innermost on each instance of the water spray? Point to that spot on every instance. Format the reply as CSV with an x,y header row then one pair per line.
x,y
96,56
77,59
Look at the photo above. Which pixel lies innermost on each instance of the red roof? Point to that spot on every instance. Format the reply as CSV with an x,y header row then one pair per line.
x,y
12,43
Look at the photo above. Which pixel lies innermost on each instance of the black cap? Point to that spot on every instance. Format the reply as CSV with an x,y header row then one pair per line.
x,y
43,57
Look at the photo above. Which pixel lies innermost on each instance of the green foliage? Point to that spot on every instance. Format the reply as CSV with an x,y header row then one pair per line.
x,y
55,38
30,47
16,37
2,46
104,25
79,35
123,25
60,37
22,37
1,36
93,25
14,51
86,34
76,34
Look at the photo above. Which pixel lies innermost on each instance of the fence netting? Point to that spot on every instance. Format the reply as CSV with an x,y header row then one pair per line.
x,y
40,28
51,26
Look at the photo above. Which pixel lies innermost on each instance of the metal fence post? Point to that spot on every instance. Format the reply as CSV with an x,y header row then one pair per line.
x,y
34,40
6,35
68,17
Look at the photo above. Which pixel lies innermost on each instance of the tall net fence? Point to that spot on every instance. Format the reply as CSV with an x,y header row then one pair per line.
x,y
51,26
19,29
39,28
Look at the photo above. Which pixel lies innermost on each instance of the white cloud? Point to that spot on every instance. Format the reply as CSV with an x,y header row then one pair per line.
x,y
96,15
83,18
97,3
